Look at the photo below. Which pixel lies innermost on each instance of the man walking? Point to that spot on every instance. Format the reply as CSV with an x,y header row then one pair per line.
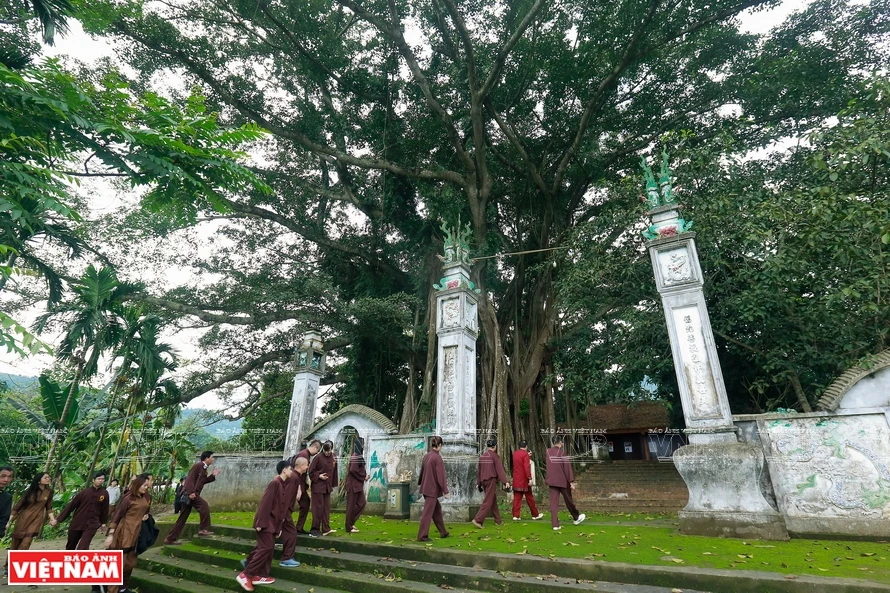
x,y
561,480
114,495
522,478
90,509
193,485
433,484
490,472
267,523
6,474
356,476
294,489
323,475
308,453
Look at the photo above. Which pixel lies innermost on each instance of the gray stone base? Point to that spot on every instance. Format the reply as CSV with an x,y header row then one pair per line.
x,y
735,524
725,492
453,512
839,527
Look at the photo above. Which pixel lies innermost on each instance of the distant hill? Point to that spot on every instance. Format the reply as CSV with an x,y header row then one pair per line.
x,y
17,382
220,429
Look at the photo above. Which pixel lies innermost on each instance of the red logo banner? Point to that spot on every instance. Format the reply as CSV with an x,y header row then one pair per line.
x,y
66,567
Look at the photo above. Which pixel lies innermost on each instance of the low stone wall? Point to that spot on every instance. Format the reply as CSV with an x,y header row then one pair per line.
x,y
242,479
830,471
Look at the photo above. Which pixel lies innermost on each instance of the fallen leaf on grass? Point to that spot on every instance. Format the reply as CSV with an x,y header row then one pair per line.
x,y
570,544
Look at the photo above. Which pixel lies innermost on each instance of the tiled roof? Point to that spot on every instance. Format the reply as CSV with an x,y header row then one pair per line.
x,y
369,413
618,417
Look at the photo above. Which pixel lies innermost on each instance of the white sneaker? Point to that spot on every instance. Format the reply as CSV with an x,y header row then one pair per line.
x,y
540,516
580,518
557,528
516,518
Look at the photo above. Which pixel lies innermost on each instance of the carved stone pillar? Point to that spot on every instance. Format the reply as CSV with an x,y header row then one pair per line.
x,y
310,366
457,327
724,477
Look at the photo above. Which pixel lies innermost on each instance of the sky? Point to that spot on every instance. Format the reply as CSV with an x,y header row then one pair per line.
x,y
86,49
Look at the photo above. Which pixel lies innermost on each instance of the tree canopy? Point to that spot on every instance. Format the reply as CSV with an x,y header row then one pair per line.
x,y
525,119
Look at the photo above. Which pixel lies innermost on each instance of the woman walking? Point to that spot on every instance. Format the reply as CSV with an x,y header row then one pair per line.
x,y
31,512
123,533
432,485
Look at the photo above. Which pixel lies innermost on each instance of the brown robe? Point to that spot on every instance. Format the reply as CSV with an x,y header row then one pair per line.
x,y
31,516
127,524
433,484
559,478
489,473
267,522
355,490
321,491
90,509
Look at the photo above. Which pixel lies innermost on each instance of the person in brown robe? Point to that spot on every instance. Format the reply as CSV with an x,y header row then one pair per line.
x,y
308,453
267,523
293,491
123,533
31,512
90,509
323,475
433,484
490,472
561,480
197,477
356,476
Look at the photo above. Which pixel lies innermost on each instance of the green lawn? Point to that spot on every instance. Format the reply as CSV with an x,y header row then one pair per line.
x,y
635,539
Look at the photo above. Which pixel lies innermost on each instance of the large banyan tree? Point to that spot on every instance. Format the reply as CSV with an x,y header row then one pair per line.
x,y
524,119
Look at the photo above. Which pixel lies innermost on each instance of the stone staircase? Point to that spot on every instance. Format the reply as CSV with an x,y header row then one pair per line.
x,y
631,487
332,564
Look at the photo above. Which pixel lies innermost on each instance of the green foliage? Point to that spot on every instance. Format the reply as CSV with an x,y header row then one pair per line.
x,y
54,395
524,120
265,427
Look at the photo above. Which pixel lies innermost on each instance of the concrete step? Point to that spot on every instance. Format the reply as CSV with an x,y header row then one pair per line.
x,y
210,565
333,564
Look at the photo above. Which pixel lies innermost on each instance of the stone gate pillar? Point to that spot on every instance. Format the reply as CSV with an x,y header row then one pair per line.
x,y
310,366
457,327
725,478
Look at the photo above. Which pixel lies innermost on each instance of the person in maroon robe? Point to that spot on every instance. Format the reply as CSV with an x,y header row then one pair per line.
x,y
308,453
90,509
356,476
433,484
323,475
490,472
199,475
522,478
293,491
561,480
267,523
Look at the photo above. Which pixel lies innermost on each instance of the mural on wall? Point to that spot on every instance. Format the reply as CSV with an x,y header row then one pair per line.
x,y
390,460
831,467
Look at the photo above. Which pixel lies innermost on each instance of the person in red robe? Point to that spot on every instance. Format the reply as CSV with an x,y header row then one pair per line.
x,y
267,523
489,473
561,480
522,478
356,476
433,484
